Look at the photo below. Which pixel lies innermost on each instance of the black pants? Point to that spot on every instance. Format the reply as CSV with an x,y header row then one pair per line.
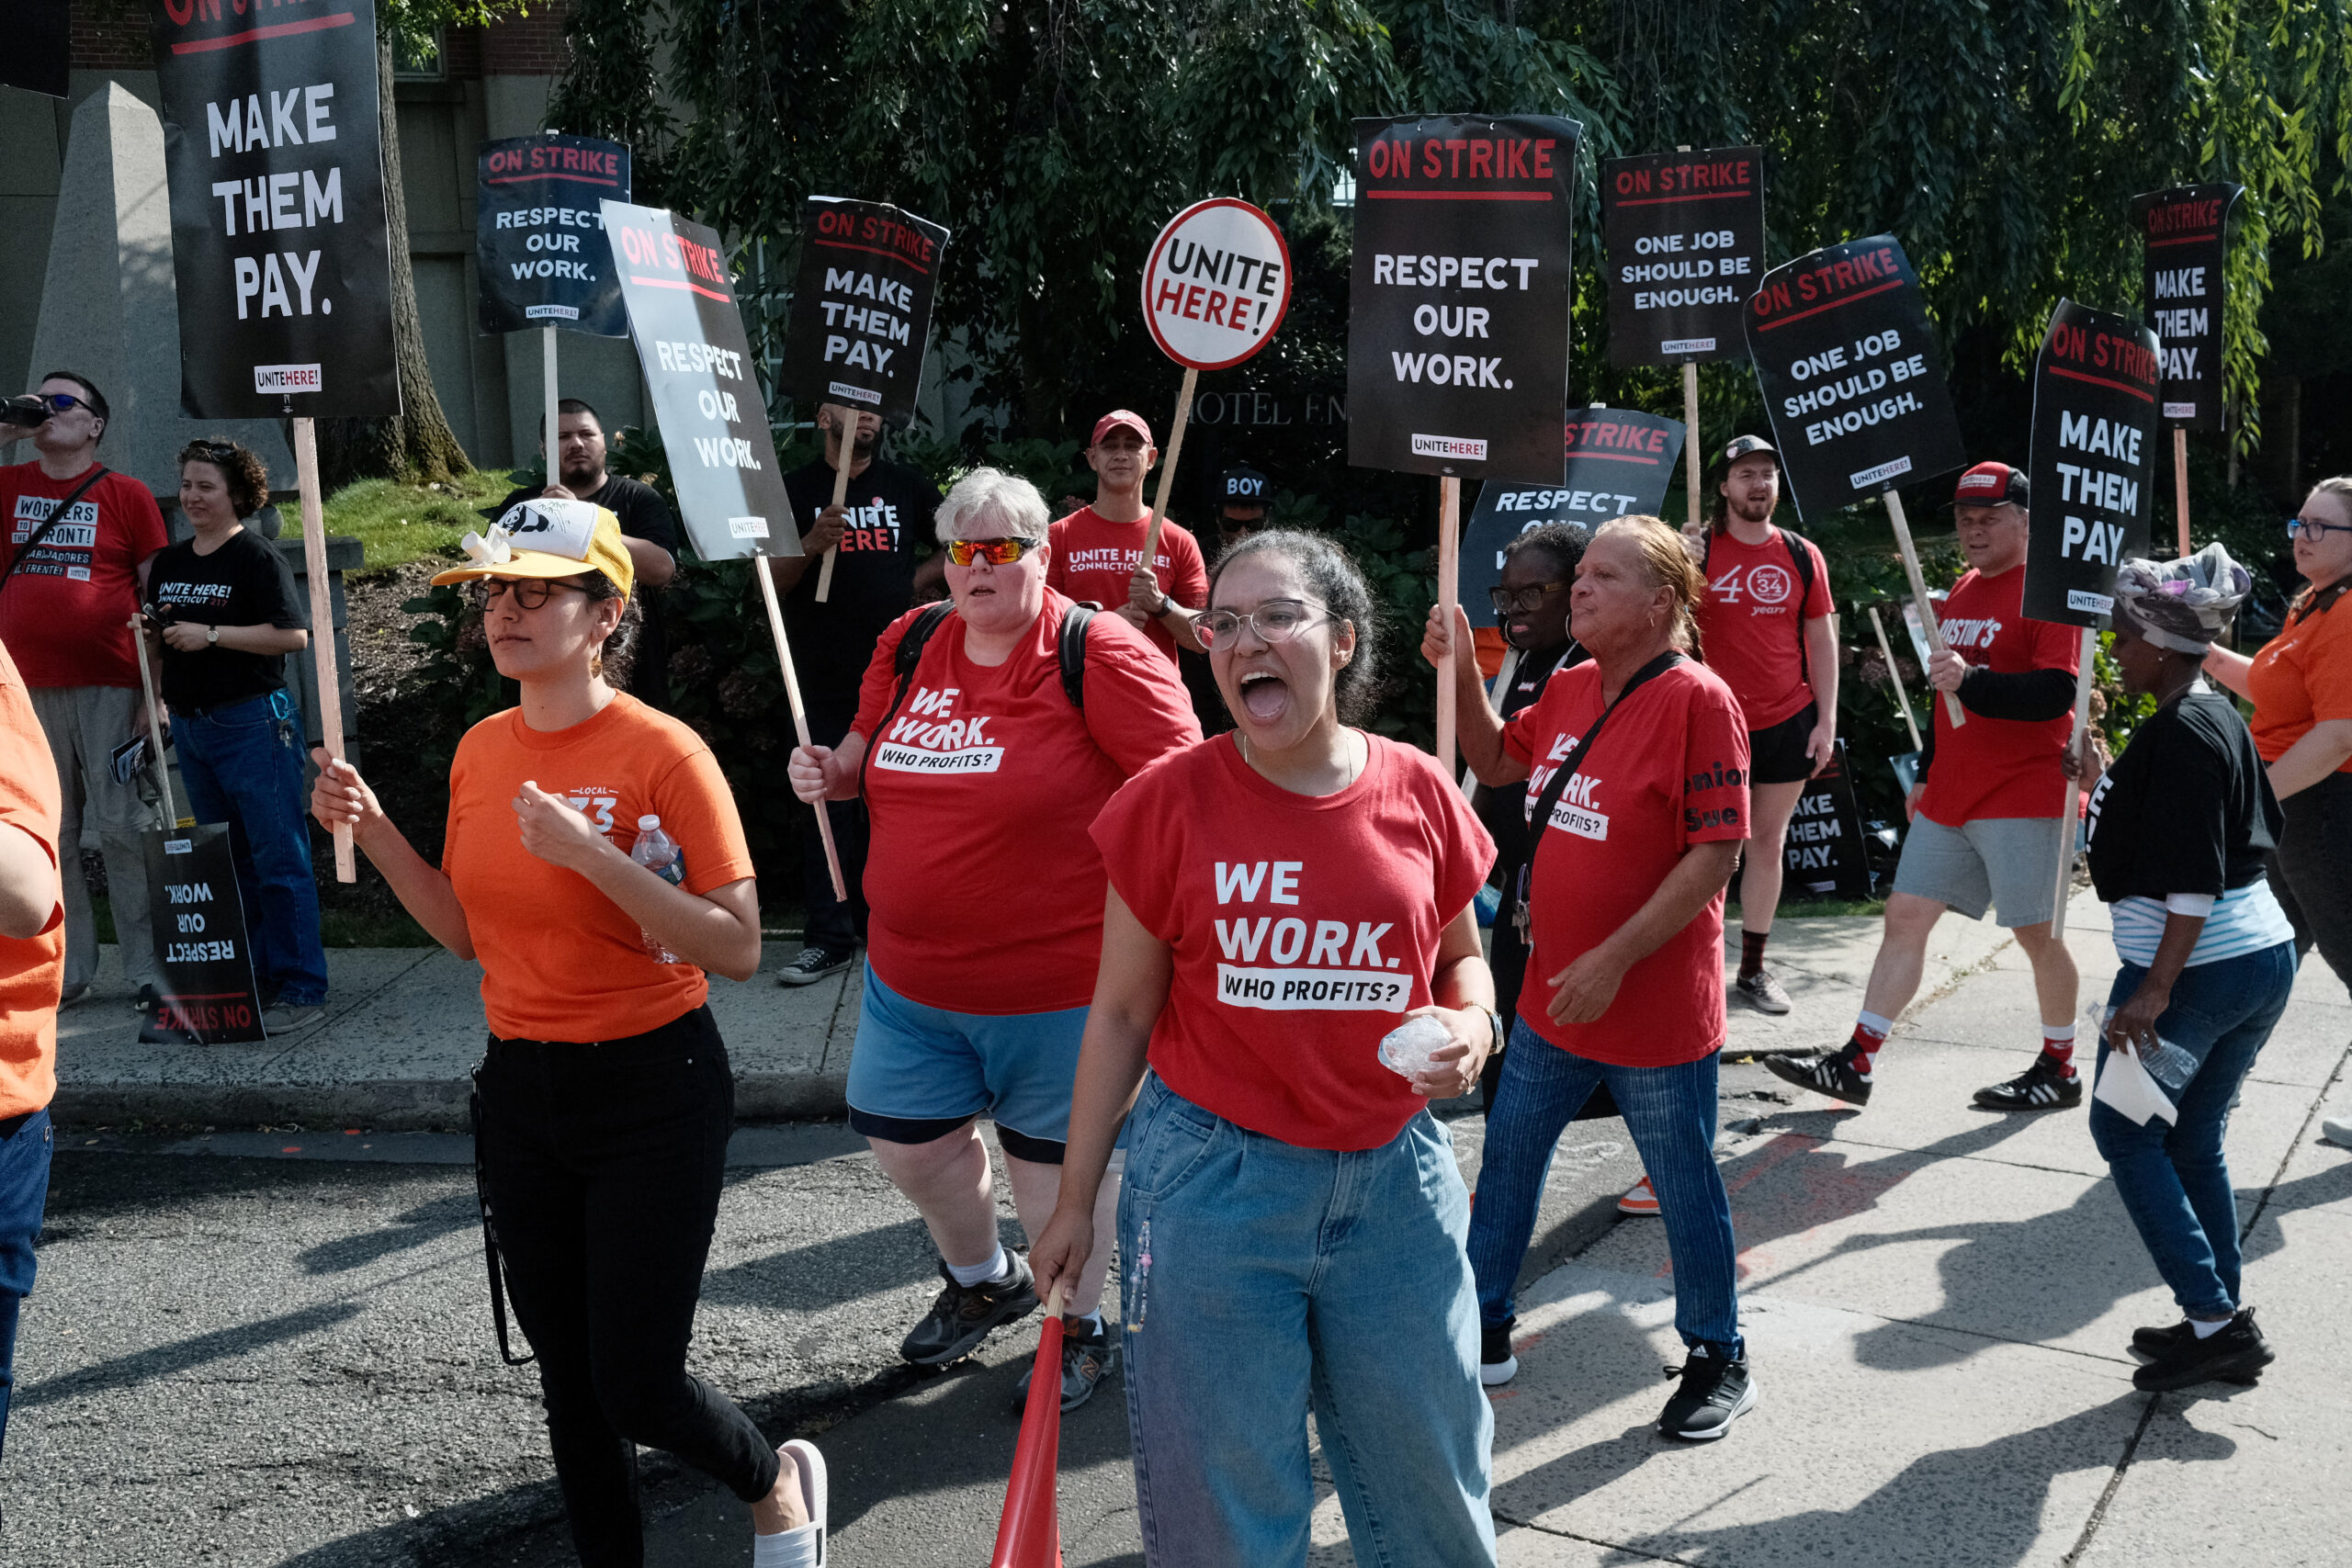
x,y
2311,871
603,1164
831,924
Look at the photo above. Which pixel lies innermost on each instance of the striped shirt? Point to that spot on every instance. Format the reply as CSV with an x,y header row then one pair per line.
x,y
2242,920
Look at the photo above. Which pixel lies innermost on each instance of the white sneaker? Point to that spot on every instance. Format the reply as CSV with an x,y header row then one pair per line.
x,y
2337,1130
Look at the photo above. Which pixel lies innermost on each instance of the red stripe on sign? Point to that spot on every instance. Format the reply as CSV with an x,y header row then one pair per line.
x,y
2183,240
679,282
1580,456
256,35
2103,381
1459,195
527,179
873,251
1801,315
1703,196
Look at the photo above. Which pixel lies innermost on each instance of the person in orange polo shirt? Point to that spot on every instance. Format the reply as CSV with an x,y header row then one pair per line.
x,y
32,968
603,1104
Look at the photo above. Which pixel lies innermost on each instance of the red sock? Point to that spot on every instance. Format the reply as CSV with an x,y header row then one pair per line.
x,y
1870,1034
2058,1044
1751,953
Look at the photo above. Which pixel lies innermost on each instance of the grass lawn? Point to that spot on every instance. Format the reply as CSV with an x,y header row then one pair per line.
x,y
400,523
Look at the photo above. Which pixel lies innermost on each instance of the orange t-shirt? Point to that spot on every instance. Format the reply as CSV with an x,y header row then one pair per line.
x,y
2303,677
31,968
559,961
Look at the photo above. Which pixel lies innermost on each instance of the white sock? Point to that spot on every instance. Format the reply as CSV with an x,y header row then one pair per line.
x,y
2206,1330
792,1549
1881,1027
996,1267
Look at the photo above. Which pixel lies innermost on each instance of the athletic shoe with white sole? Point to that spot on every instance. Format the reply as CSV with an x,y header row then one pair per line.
x,y
1086,1360
1832,1073
812,964
964,1315
2236,1354
1762,992
1496,1365
2046,1086
1713,1395
1641,1198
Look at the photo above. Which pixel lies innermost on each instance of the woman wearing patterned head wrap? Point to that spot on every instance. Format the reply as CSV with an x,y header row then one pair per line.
x,y
2181,825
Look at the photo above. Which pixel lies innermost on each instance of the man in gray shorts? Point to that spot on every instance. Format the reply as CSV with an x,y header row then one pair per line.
x,y
1986,819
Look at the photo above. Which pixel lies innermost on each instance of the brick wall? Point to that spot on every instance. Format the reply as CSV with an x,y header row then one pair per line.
x,y
528,46
111,35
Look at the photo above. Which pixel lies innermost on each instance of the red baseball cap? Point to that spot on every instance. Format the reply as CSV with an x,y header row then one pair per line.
x,y
1117,417
1990,484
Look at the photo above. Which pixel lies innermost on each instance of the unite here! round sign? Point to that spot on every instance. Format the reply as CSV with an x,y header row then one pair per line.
x,y
1216,285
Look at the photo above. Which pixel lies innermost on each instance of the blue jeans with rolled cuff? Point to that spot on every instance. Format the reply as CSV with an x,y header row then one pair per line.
x,y
243,763
1670,1112
2174,1180
24,1193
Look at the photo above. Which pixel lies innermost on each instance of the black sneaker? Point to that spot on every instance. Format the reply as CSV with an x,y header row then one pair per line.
x,y
963,1315
1713,1395
812,964
2046,1086
2236,1354
1496,1365
1086,1359
145,1000
1832,1073
2156,1341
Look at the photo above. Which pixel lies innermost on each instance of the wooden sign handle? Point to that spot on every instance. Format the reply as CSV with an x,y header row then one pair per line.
x,y
314,565
1929,624
2180,484
1168,464
155,724
1691,439
1449,586
1902,697
841,498
2077,741
799,714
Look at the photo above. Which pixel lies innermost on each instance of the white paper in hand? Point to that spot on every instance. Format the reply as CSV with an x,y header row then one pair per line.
x,y
2124,1085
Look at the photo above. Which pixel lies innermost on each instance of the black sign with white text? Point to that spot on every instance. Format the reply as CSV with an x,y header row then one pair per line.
x,y
1684,234
1822,854
1618,462
861,310
1850,375
696,360
539,246
204,980
2184,280
278,246
1458,298
2094,451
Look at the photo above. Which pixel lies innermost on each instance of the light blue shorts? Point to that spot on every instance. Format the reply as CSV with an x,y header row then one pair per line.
x,y
918,1073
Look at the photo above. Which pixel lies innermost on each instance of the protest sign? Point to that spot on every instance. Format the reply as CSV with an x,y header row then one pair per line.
x,y
1618,462
204,971
539,241
1855,388
1823,853
861,316
278,248
1684,234
39,56
2184,280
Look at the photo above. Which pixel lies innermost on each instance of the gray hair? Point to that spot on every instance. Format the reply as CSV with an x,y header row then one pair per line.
x,y
2182,605
990,504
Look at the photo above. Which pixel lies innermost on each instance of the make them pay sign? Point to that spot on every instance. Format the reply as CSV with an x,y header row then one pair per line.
x,y
2095,386
1217,283
860,307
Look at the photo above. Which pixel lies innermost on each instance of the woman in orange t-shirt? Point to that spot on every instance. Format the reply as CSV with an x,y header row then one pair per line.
x,y
2300,686
604,1103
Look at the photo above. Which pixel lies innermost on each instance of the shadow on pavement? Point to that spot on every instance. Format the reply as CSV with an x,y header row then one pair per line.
x,y
186,1355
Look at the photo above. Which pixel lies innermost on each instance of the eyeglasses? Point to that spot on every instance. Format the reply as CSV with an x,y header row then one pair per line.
x,y
1523,600
59,402
995,552
530,593
2317,533
1275,621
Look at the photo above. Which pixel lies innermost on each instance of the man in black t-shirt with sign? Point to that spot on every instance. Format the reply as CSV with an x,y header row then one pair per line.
x,y
646,523
878,574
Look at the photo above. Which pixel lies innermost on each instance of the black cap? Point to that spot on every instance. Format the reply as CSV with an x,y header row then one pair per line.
x,y
1746,445
1243,485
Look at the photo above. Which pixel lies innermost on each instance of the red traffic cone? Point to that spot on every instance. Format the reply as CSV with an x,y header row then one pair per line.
x,y
1030,1534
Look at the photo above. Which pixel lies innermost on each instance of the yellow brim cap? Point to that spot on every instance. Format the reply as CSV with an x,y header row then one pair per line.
x,y
548,539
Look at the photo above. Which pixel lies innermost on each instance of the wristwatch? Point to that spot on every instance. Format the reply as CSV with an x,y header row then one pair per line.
x,y
1495,1023
212,636
1166,602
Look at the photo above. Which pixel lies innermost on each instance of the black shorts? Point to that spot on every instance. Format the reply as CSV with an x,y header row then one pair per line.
x,y
1777,755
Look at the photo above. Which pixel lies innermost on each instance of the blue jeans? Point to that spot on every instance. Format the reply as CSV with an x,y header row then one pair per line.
x,y
243,766
2174,1181
24,1192
1261,1280
1670,1112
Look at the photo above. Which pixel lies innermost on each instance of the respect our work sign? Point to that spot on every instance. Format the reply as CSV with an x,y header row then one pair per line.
x,y
691,346
1458,296
1684,234
861,310
540,246
1617,463
2095,386
278,241
1850,375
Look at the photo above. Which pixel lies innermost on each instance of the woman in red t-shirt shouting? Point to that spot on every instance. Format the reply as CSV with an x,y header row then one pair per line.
x,y
980,766
1292,1218
1625,915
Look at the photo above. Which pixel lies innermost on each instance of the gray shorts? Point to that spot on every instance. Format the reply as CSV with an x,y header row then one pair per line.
x,y
2005,863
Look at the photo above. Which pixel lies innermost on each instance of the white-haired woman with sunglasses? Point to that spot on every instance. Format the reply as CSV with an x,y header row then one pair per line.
x,y
981,760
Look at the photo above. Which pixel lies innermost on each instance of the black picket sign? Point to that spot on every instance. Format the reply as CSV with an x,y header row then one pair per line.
x,y
2094,457
1458,298
696,360
1823,853
1851,376
273,154
1618,462
1684,234
204,979
539,246
861,310
2183,283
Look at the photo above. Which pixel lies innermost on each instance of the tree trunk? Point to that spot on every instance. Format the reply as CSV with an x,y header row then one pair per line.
x,y
415,444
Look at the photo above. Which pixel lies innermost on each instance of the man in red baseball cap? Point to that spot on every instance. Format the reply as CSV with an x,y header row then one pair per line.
x,y
1986,819
1097,550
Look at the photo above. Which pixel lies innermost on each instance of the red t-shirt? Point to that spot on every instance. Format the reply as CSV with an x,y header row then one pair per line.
x,y
986,892
1304,927
65,614
1669,771
1751,623
1999,767
1094,558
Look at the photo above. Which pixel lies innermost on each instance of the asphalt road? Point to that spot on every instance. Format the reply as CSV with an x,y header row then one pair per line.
x,y
275,1348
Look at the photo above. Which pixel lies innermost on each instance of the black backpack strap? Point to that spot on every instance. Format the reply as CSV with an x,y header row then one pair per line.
x,y
1072,648
56,515
1802,557
1558,782
916,637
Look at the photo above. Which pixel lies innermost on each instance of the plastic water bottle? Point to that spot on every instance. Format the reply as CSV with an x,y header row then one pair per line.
x,y
658,853
1406,1049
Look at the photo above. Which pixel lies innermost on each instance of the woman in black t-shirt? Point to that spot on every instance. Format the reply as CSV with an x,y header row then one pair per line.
x,y
224,614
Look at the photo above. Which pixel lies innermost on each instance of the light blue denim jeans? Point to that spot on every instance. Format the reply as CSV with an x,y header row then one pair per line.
x,y
1260,1279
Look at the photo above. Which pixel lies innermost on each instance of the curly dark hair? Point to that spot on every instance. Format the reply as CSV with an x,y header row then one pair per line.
x,y
1562,544
1334,579
244,474
620,649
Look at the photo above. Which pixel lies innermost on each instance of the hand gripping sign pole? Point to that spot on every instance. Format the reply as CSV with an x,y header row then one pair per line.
x,y
2183,297
314,567
1029,1532
1932,627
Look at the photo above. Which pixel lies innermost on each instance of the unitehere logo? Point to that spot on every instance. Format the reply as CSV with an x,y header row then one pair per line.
x,y
273,380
